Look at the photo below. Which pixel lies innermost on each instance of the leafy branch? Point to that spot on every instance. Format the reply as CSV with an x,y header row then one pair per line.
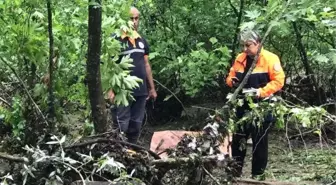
x,y
244,81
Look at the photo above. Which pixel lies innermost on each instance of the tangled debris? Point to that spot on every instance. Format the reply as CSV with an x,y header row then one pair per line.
x,y
107,157
206,143
198,155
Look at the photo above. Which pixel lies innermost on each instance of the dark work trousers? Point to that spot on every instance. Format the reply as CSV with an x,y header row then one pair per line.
x,y
129,118
259,135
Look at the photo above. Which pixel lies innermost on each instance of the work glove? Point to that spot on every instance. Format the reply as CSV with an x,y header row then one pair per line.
x,y
252,92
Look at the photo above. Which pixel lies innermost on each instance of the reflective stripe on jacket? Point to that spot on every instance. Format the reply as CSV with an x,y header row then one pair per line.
x,y
268,75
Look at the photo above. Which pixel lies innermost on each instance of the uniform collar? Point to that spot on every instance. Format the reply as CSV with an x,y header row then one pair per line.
x,y
134,34
242,57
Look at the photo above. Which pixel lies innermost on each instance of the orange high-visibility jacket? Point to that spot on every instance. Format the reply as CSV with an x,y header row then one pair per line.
x,y
268,75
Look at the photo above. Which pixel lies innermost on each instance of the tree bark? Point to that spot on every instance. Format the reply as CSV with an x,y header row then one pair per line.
x,y
235,39
51,114
234,44
13,158
169,163
255,182
97,102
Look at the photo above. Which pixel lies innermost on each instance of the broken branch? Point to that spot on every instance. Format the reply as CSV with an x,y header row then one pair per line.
x,y
172,162
13,158
4,101
211,176
103,140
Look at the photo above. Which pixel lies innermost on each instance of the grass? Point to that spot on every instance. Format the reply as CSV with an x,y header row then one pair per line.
x,y
313,163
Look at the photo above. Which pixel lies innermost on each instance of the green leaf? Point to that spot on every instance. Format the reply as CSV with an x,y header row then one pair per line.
x,y
200,44
321,58
38,90
254,14
167,97
318,132
250,25
305,121
52,142
213,40
38,15
63,139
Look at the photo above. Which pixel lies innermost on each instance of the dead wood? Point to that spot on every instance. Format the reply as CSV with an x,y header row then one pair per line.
x,y
103,140
255,182
175,162
13,158
107,183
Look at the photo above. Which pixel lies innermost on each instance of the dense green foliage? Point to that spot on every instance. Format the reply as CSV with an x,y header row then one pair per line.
x,y
191,44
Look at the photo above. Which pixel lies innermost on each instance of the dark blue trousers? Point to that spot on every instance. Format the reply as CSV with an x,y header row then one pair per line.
x,y
259,135
129,118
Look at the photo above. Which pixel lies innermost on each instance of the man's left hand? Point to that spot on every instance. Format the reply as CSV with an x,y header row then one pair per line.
x,y
258,93
152,94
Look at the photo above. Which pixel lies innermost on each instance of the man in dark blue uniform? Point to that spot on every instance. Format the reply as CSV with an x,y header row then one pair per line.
x,y
129,118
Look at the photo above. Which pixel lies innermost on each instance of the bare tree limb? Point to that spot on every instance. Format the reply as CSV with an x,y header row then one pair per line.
x,y
13,158
234,8
332,183
305,61
211,176
26,90
185,110
235,39
301,134
172,162
255,182
4,101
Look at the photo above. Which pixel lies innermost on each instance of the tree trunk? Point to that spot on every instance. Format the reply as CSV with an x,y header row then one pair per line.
x,y
97,102
239,19
304,59
51,114
235,41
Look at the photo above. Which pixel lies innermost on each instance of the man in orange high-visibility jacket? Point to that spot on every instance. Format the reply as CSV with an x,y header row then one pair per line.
x,y
267,78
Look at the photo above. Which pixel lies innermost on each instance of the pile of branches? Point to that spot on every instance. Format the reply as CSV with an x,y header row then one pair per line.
x,y
204,144
108,157
202,154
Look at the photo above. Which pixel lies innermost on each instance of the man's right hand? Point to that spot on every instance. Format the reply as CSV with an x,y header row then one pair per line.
x,y
110,95
235,82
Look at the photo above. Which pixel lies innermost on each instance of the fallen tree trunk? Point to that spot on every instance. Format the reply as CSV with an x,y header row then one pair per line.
x,y
107,183
255,182
175,162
